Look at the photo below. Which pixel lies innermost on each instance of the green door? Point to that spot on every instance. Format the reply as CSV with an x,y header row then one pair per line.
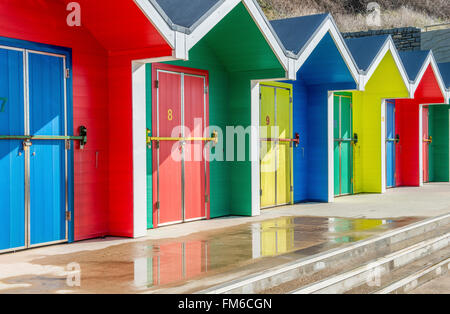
x,y
343,144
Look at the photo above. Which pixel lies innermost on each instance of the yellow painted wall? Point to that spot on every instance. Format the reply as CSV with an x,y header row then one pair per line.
x,y
385,83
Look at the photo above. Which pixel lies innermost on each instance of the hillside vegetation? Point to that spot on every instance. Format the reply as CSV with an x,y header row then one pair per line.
x,y
350,15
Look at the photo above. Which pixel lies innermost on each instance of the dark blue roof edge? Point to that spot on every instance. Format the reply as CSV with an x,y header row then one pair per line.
x,y
183,29
424,65
388,39
341,38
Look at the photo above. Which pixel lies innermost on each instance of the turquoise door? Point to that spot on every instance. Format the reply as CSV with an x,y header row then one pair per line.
x,y
343,144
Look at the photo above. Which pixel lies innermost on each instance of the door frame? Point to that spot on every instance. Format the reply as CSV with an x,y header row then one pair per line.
x,y
155,103
66,53
275,86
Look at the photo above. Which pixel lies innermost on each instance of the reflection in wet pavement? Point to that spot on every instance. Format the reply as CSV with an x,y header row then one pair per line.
x,y
138,266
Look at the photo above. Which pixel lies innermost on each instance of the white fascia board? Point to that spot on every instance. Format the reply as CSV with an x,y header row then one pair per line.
x,y
210,22
389,46
268,33
328,26
158,21
430,60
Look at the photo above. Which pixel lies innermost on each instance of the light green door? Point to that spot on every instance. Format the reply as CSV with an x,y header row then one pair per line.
x,y
343,144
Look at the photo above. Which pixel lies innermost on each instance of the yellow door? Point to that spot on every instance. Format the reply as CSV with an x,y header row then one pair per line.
x,y
283,174
276,154
268,148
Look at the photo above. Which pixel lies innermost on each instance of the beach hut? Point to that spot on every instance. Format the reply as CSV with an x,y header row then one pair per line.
x,y
438,126
323,64
383,78
412,118
66,80
210,89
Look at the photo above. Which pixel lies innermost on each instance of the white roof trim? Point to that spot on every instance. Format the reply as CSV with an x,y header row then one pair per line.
x,y
388,46
182,43
430,60
329,26
157,20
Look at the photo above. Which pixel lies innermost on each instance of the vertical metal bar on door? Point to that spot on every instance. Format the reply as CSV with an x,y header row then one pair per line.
x,y
65,148
26,151
157,151
204,145
277,147
340,145
182,152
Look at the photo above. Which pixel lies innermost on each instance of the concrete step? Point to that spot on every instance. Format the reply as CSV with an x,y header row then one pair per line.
x,y
312,269
368,277
411,282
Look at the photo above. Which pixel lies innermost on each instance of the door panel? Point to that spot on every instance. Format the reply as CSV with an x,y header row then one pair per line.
x,y
283,122
344,155
12,162
268,149
169,153
390,144
426,145
336,147
194,165
347,146
47,158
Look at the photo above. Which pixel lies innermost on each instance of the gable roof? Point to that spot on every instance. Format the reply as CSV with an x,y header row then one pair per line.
x,y
183,23
416,63
365,49
185,15
370,51
295,32
413,62
301,35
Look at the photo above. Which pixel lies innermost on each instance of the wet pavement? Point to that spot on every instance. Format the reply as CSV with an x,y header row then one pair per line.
x,y
189,263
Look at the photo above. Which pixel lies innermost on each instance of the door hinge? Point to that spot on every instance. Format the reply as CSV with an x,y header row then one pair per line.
x,y
67,73
260,192
260,96
156,84
69,216
157,144
290,99
292,188
206,198
206,89
157,205
67,144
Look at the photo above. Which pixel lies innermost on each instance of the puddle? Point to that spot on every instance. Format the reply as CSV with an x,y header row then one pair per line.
x,y
138,266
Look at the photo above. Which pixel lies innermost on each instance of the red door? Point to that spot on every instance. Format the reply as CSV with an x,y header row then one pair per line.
x,y
167,158
194,163
425,145
180,169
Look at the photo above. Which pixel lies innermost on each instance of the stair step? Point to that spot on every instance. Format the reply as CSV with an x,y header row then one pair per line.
x,y
359,276
305,271
417,279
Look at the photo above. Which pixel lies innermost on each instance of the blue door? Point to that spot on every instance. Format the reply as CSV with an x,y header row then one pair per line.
x,y
33,173
12,157
390,144
47,157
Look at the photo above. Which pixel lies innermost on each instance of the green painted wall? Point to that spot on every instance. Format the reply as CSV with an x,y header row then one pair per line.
x,y
234,53
439,148
385,83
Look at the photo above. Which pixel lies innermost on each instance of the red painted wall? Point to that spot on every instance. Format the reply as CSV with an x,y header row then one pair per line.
x,y
407,126
112,35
